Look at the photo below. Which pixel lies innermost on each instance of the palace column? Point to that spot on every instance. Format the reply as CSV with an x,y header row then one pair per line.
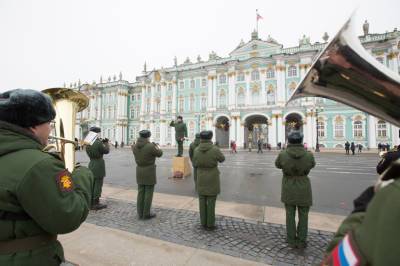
x,y
210,93
99,109
247,79
231,90
280,79
272,131
393,64
163,122
174,96
263,78
308,134
143,100
281,129
372,132
240,133
395,135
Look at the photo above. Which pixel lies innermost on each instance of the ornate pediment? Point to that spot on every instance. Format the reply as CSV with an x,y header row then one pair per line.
x,y
256,48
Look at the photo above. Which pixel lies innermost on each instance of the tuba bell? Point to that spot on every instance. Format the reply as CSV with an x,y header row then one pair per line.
x,y
345,72
67,103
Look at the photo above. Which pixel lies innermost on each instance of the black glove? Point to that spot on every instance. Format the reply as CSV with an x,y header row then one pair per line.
x,y
362,201
393,171
105,140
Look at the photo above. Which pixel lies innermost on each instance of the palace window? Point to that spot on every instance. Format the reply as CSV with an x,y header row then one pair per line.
x,y
148,90
148,105
222,79
203,102
204,83
191,130
132,113
181,104
169,106
169,87
158,132
169,133
292,71
241,100
358,129
192,84
382,129
222,99
339,127
255,97
203,126
240,77
270,73
158,105
158,88
321,127
270,95
255,75
138,96
181,85
191,103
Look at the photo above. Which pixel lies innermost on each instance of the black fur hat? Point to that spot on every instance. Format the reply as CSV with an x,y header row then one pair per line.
x,y
26,108
179,117
95,129
206,134
145,134
295,137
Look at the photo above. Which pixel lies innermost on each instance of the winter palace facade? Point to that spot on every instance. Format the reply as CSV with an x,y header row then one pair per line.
x,y
240,97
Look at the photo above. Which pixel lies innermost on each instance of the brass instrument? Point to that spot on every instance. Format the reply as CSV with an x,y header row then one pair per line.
x,y
347,73
67,103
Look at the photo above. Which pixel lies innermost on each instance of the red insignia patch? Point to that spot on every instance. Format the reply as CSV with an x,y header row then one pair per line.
x,y
64,181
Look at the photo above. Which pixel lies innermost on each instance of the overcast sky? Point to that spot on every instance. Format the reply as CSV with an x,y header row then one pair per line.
x,y
45,43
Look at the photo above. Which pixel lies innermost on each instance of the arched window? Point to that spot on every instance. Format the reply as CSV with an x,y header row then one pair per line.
x,y
169,106
339,127
255,96
241,100
255,75
157,137
357,129
203,126
203,102
192,102
158,88
192,84
169,87
240,77
158,105
270,95
222,79
222,99
321,127
203,83
292,71
181,104
191,130
270,73
382,129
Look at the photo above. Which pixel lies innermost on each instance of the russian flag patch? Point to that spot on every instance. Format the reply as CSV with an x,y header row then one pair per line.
x,y
344,254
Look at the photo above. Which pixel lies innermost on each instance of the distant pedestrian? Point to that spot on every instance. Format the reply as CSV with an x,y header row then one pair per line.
x,y
379,147
353,148
279,145
347,147
360,147
296,164
116,144
259,144
387,147
305,146
250,140
122,144
233,147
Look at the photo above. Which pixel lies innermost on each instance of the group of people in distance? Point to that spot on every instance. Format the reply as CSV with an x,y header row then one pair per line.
x,y
40,199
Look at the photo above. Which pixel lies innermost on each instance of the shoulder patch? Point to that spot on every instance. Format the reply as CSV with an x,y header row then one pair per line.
x,y
64,181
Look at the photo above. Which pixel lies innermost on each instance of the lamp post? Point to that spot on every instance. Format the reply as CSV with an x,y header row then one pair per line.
x,y
317,110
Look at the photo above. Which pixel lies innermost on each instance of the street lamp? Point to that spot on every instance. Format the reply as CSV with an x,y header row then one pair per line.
x,y
316,110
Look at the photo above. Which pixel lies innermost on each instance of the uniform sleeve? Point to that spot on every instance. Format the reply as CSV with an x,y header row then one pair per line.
x,y
186,133
278,163
191,150
220,156
105,148
172,124
312,160
157,151
55,199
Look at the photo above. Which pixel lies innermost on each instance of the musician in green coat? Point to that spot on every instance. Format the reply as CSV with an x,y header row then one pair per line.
x,y
98,167
39,198
145,153
296,194
192,147
206,158
180,133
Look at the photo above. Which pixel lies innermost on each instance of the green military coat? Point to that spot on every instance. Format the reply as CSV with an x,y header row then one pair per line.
x,y
193,146
180,130
95,153
36,184
145,154
295,163
378,237
205,159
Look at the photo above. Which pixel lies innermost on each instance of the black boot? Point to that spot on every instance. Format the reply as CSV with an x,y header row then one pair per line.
x,y
150,216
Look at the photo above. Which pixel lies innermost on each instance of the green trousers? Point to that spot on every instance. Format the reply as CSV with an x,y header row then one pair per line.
x,y
195,177
144,199
299,235
180,147
97,188
207,210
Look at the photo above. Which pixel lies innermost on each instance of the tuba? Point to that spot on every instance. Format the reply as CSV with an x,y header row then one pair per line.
x,y
67,103
345,72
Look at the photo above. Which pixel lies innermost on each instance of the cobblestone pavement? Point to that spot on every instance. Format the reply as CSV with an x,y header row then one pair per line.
x,y
262,242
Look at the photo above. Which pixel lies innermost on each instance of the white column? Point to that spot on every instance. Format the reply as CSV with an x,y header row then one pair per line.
x,y
142,102
393,64
174,98
153,131
308,134
163,132
152,103
272,132
247,79
232,128
263,78
92,105
281,86
231,90
210,93
281,129
395,135
163,98
214,88
372,131
99,109
240,140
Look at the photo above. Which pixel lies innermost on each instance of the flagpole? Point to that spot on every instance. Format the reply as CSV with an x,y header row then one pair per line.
x,y
257,20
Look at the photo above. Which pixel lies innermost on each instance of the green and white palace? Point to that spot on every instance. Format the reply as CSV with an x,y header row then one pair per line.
x,y
236,96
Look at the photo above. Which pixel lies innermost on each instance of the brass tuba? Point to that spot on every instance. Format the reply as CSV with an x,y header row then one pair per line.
x,y
347,73
67,103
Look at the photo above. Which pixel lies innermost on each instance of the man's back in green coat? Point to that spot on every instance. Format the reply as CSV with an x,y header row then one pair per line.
x,y
35,186
180,130
95,153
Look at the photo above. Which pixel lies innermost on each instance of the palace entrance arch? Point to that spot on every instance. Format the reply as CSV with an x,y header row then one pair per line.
x,y
222,131
255,127
293,121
